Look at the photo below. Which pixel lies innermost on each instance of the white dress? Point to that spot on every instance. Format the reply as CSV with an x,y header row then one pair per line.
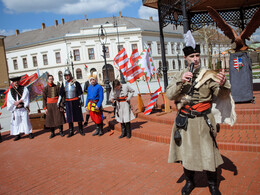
x,y
20,122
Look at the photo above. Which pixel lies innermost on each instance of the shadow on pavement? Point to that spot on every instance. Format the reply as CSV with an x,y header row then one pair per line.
x,y
200,178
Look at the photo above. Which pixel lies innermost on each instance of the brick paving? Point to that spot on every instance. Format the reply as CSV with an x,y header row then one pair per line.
x,y
108,165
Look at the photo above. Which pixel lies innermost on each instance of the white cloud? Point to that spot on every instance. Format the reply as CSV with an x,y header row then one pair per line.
x,y
66,6
7,32
146,12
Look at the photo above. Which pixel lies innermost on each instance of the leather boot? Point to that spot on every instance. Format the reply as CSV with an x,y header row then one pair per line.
x,y
0,138
81,129
87,118
101,129
128,130
71,130
31,136
123,129
52,133
17,137
97,130
213,185
61,131
189,186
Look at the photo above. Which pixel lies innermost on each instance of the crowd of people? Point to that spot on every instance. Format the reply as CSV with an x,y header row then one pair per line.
x,y
193,140
68,99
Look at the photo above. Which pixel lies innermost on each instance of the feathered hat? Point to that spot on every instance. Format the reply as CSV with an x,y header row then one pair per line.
x,y
92,75
190,45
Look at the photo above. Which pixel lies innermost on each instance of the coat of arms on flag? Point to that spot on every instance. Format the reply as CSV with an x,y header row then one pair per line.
x,y
238,63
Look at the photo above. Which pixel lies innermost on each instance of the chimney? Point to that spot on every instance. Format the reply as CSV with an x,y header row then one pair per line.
x,y
56,22
62,20
86,17
120,14
43,26
151,18
17,32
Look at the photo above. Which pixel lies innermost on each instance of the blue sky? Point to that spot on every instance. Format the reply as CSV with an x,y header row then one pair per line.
x,y
29,14
26,15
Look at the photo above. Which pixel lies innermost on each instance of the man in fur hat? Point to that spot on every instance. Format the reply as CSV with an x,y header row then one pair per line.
x,y
18,104
94,103
73,94
193,140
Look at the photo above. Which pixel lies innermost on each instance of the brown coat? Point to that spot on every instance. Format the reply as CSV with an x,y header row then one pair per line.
x,y
197,151
54,117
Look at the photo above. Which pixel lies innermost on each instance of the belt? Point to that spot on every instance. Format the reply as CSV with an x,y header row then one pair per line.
x,y
194,113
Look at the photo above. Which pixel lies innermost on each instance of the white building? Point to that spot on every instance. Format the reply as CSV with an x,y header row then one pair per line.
x,y
51,48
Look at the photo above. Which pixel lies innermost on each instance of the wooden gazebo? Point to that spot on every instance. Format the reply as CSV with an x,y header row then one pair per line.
x,y
193,15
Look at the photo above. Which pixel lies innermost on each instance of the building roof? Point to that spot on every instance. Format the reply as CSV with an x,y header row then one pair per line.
x,y
72,27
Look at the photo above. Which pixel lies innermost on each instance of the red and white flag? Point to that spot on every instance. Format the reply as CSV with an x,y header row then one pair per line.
x,y
152,101
121,61
134,72
86,66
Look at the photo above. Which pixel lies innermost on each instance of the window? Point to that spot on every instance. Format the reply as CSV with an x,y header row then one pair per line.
x,y
79,73
91,55
25,65
178,47
60,76
173,65
134,46
158,48
76,55
172,47
57,56
166,48
150,46
15,64
167,65
107,52
120,47
45,59
35,63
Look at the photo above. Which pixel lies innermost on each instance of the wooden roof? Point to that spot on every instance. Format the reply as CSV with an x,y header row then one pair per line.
x,y
200,5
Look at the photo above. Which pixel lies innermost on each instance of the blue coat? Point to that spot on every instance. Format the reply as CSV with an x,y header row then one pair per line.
x,y
95,93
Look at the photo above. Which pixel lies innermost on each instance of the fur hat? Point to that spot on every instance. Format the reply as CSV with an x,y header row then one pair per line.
x,y
15,78
190,45
92,75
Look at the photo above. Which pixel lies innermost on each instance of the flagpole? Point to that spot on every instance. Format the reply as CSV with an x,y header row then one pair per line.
x,y
148,85
160,87
137,87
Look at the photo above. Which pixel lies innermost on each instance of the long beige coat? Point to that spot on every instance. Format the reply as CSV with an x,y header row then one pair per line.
x,y
197,151
123,113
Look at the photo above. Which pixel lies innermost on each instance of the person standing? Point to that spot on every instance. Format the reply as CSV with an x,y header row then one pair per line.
x,y
193,139
54,115
121,95
94,103
86,85
18,104
72,92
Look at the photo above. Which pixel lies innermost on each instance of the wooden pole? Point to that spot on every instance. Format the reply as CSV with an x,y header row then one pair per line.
x,y
137,87
148,86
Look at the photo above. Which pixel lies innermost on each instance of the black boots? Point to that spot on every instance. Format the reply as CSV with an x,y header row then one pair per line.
x,y
123,129
31,136
87,118
61,131
128,130
81,129
213,185
0,138
99,130
17,137
52,133
189,186
71,130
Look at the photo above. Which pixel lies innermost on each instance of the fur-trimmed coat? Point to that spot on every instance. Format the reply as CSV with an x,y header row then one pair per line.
x,y
197,150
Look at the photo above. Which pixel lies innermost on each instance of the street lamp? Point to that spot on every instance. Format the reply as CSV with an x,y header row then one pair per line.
x,y
103,39
72,66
